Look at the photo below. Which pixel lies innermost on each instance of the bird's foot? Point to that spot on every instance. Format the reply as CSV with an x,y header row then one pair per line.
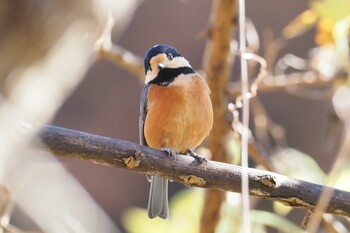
x,y
169,151
196,156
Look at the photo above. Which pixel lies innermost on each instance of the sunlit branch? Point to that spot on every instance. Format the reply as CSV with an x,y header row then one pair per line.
x,y
123,58
184,169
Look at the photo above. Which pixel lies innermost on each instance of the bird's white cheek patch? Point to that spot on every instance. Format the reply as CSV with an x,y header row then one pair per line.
x,y
150,76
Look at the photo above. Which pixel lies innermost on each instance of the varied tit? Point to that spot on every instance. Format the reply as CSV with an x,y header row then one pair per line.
x,y
176,113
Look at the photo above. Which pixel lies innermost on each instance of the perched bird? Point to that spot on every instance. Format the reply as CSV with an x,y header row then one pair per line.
x,y
176,114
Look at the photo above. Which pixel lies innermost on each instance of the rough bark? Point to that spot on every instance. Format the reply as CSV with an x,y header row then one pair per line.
x,y
184,169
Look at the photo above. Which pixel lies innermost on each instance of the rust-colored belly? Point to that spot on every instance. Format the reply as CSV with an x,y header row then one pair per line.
x,y
179,117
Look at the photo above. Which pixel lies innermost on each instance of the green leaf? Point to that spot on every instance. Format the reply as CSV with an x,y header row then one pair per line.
x,y
296,164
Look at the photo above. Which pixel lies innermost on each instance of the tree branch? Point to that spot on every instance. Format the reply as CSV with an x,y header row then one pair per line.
x,y
184,169
124,59
107,50
286,81
217,63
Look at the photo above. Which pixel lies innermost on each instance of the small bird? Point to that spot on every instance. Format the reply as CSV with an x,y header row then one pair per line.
x,y
175,114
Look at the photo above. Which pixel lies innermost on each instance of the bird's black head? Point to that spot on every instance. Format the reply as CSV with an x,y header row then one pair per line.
x,y
170,52
163,64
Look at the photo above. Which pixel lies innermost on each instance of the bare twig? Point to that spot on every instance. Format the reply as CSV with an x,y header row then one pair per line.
x,y
114,53
184,169
258,154
245,205
326,195
124,59
342,109
284,82
332,225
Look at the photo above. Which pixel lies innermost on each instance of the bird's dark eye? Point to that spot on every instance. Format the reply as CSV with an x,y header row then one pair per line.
x,y
170,56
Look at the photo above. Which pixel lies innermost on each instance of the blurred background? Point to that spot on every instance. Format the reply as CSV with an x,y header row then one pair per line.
x,y
106,101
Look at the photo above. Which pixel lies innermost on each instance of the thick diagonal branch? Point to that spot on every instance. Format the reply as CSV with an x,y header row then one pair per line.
x,y
184,169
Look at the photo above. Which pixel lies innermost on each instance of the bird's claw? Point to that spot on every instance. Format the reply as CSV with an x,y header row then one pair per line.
x,y
169,151
196,156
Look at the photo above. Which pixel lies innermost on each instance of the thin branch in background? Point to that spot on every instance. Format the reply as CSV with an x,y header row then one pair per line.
x,y
342,108
107,50
316,76
186,170
245,205
307,79
258,154
332,225
271,46
325,197
290,61
259,79
5,200
255,151
252,92
252,37
266,127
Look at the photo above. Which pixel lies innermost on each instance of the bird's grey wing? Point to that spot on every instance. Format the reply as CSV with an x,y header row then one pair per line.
x,y
143,114
158,196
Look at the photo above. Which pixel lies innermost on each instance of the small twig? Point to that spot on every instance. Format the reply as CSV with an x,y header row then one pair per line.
x,y
184,169
327,193
125,59
285,81
5,199
114,53
245,205
257,153
253,87
272,46
266,130
332,225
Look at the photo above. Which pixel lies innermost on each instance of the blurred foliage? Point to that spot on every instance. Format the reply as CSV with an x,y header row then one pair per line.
x,y
261,221
298,165
332,21
324,15
343,181
185,211
233,147
295,164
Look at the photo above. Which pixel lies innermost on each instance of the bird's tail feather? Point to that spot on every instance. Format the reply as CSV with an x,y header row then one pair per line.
x,y
158,198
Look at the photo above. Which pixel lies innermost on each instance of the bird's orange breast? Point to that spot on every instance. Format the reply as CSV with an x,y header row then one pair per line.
x,y
179,116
